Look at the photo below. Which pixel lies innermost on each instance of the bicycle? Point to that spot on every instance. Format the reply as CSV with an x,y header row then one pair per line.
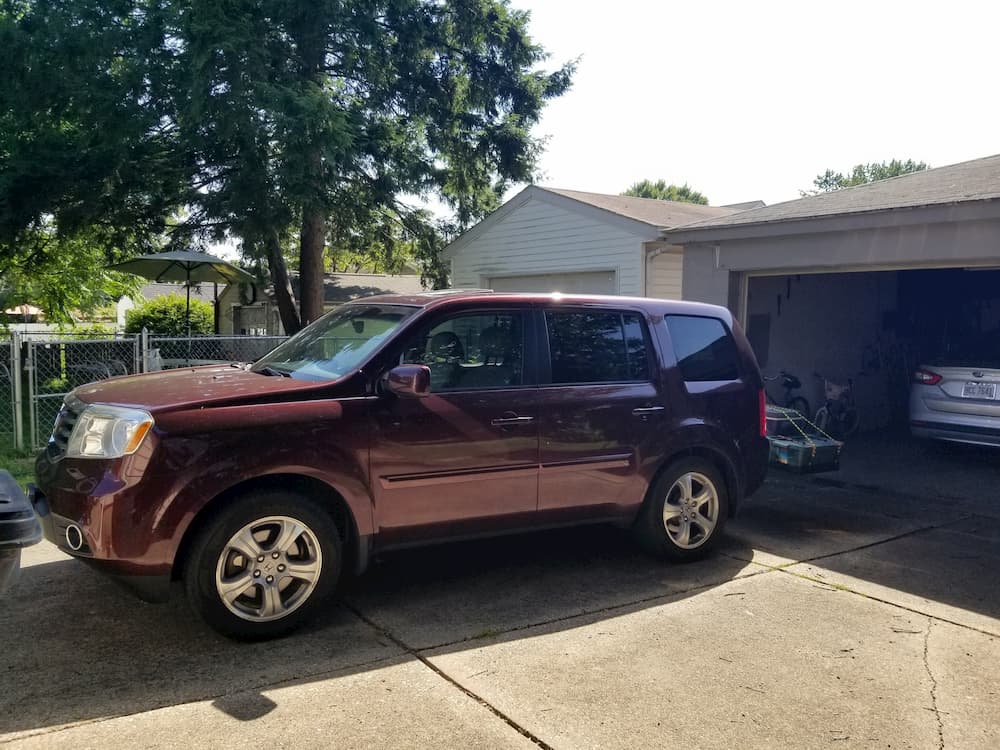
x,y
789,383
839,416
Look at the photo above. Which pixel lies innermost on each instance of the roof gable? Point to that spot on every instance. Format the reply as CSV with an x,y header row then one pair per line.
x,y
644,217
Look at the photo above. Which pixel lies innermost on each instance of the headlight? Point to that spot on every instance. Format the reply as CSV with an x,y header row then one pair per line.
x,y
108,432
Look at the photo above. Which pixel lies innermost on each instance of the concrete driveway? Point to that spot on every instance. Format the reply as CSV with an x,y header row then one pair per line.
x,y
854,610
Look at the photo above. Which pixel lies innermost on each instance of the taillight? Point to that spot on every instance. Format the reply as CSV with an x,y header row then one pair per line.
x,y
926,377
762,412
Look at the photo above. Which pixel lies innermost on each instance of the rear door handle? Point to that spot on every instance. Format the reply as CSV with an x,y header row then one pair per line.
x,y
508,421
647,410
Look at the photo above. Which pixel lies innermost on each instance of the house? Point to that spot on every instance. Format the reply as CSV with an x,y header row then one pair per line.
x,y
863,283
249,310
545,239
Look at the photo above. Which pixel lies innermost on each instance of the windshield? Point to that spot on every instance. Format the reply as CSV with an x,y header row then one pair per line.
x,y
336,344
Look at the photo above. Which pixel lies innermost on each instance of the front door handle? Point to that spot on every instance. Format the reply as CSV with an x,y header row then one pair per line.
x,y
508,421
643,410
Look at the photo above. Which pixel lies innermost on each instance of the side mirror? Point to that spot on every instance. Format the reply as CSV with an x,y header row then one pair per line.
x,y
409,381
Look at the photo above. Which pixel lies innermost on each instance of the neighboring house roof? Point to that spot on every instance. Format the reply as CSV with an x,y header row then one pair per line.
x,y
645,217
976,180
657,213
344,287
204,292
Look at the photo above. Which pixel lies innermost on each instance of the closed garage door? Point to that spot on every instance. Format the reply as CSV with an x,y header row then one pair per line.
x,y
588,282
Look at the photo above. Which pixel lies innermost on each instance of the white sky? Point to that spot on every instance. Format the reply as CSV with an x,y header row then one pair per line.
x,y
748,100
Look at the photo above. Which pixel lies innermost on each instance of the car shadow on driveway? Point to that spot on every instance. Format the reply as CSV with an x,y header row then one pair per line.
x,y
79,648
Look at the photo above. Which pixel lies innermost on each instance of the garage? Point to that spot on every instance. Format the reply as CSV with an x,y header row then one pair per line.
x,y
863,284
587,282
871,328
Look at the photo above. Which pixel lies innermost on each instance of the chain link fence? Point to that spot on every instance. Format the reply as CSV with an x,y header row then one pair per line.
x,y
58,363
8,374
166,352
41,368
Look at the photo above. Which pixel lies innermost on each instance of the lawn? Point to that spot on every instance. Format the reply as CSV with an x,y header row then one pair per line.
x,y
19,464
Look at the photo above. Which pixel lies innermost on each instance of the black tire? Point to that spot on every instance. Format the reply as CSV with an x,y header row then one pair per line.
x,y
662,536
291,533
850,421
800,405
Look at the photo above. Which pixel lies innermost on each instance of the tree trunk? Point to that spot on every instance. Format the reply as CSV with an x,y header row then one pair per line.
x,y
311,39
283,293
312,241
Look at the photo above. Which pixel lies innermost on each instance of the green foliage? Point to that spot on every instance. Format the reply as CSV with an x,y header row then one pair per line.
x,y
862,174
95,331
262,120
660,190
166,315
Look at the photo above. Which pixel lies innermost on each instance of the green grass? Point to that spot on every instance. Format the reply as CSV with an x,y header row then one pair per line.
x,y
21,465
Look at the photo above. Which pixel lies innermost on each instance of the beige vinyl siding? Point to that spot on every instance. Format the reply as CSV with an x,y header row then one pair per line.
x,y
539,238
665,273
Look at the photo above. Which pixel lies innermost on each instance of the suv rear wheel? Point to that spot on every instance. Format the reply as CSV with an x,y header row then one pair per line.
x,y
685,511
263,565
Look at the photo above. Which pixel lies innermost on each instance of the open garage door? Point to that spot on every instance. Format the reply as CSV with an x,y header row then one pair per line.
x,y
874,327
585,282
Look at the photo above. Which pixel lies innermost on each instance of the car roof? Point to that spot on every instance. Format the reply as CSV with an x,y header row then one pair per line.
x,y
450,297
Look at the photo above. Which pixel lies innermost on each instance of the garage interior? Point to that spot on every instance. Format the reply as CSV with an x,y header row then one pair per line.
x,y
874,327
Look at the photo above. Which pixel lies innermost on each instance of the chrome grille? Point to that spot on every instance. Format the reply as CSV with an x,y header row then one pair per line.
x,y
65,422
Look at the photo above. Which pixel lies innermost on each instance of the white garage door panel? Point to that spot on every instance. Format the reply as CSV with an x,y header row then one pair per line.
x,y
587,282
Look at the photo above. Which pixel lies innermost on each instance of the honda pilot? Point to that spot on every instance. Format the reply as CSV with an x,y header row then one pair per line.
x,y
396,421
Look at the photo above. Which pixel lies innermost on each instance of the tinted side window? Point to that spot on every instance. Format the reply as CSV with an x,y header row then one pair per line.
x,y
704,348
596,347
478,350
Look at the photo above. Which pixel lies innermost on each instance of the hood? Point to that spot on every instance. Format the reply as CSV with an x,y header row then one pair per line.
x,y
189,387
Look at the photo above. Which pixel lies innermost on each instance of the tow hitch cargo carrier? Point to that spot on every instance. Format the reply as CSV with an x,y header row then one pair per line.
x,y
18,528
798,445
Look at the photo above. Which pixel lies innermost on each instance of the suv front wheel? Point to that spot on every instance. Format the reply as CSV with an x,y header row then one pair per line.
x,y
683,515
263,565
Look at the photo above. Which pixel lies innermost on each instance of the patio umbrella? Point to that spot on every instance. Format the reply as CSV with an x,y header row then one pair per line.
x,y
184,266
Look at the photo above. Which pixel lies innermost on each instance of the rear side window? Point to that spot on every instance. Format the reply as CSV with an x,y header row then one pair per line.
x,y
703,347
597,347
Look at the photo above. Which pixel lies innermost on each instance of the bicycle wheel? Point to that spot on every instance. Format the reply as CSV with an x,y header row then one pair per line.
x,y
822,419
800,405
850,420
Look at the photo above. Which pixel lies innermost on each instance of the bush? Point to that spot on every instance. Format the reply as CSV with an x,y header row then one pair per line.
x,y
165,316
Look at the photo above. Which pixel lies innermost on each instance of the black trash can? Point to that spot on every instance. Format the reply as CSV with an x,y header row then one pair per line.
x,y
18,528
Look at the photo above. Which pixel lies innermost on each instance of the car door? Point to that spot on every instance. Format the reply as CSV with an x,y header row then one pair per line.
x,y
464,459
601,408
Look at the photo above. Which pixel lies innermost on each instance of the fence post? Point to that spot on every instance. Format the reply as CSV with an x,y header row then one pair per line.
x,y
17,374
144,346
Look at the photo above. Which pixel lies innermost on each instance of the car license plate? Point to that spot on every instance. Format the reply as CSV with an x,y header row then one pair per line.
x,y
973,389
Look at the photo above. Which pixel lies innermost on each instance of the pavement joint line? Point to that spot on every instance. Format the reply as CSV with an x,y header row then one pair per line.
x,y
934,685
868,545
590,612
386,633
199,699
880,600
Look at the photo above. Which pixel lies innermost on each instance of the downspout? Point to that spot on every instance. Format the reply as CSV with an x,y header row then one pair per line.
x,y
651,250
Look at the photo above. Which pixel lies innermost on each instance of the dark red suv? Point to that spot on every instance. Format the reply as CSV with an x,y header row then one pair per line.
x,y
396,421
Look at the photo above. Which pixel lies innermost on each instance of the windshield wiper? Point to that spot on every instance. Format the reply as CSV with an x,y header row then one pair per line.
x,y
268,370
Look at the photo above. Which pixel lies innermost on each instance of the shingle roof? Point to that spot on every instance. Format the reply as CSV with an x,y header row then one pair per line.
x,y
203,292
974,180
344,287
658,213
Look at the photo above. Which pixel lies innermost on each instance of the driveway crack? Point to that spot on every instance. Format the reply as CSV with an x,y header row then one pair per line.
x,y
384,632
934,684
